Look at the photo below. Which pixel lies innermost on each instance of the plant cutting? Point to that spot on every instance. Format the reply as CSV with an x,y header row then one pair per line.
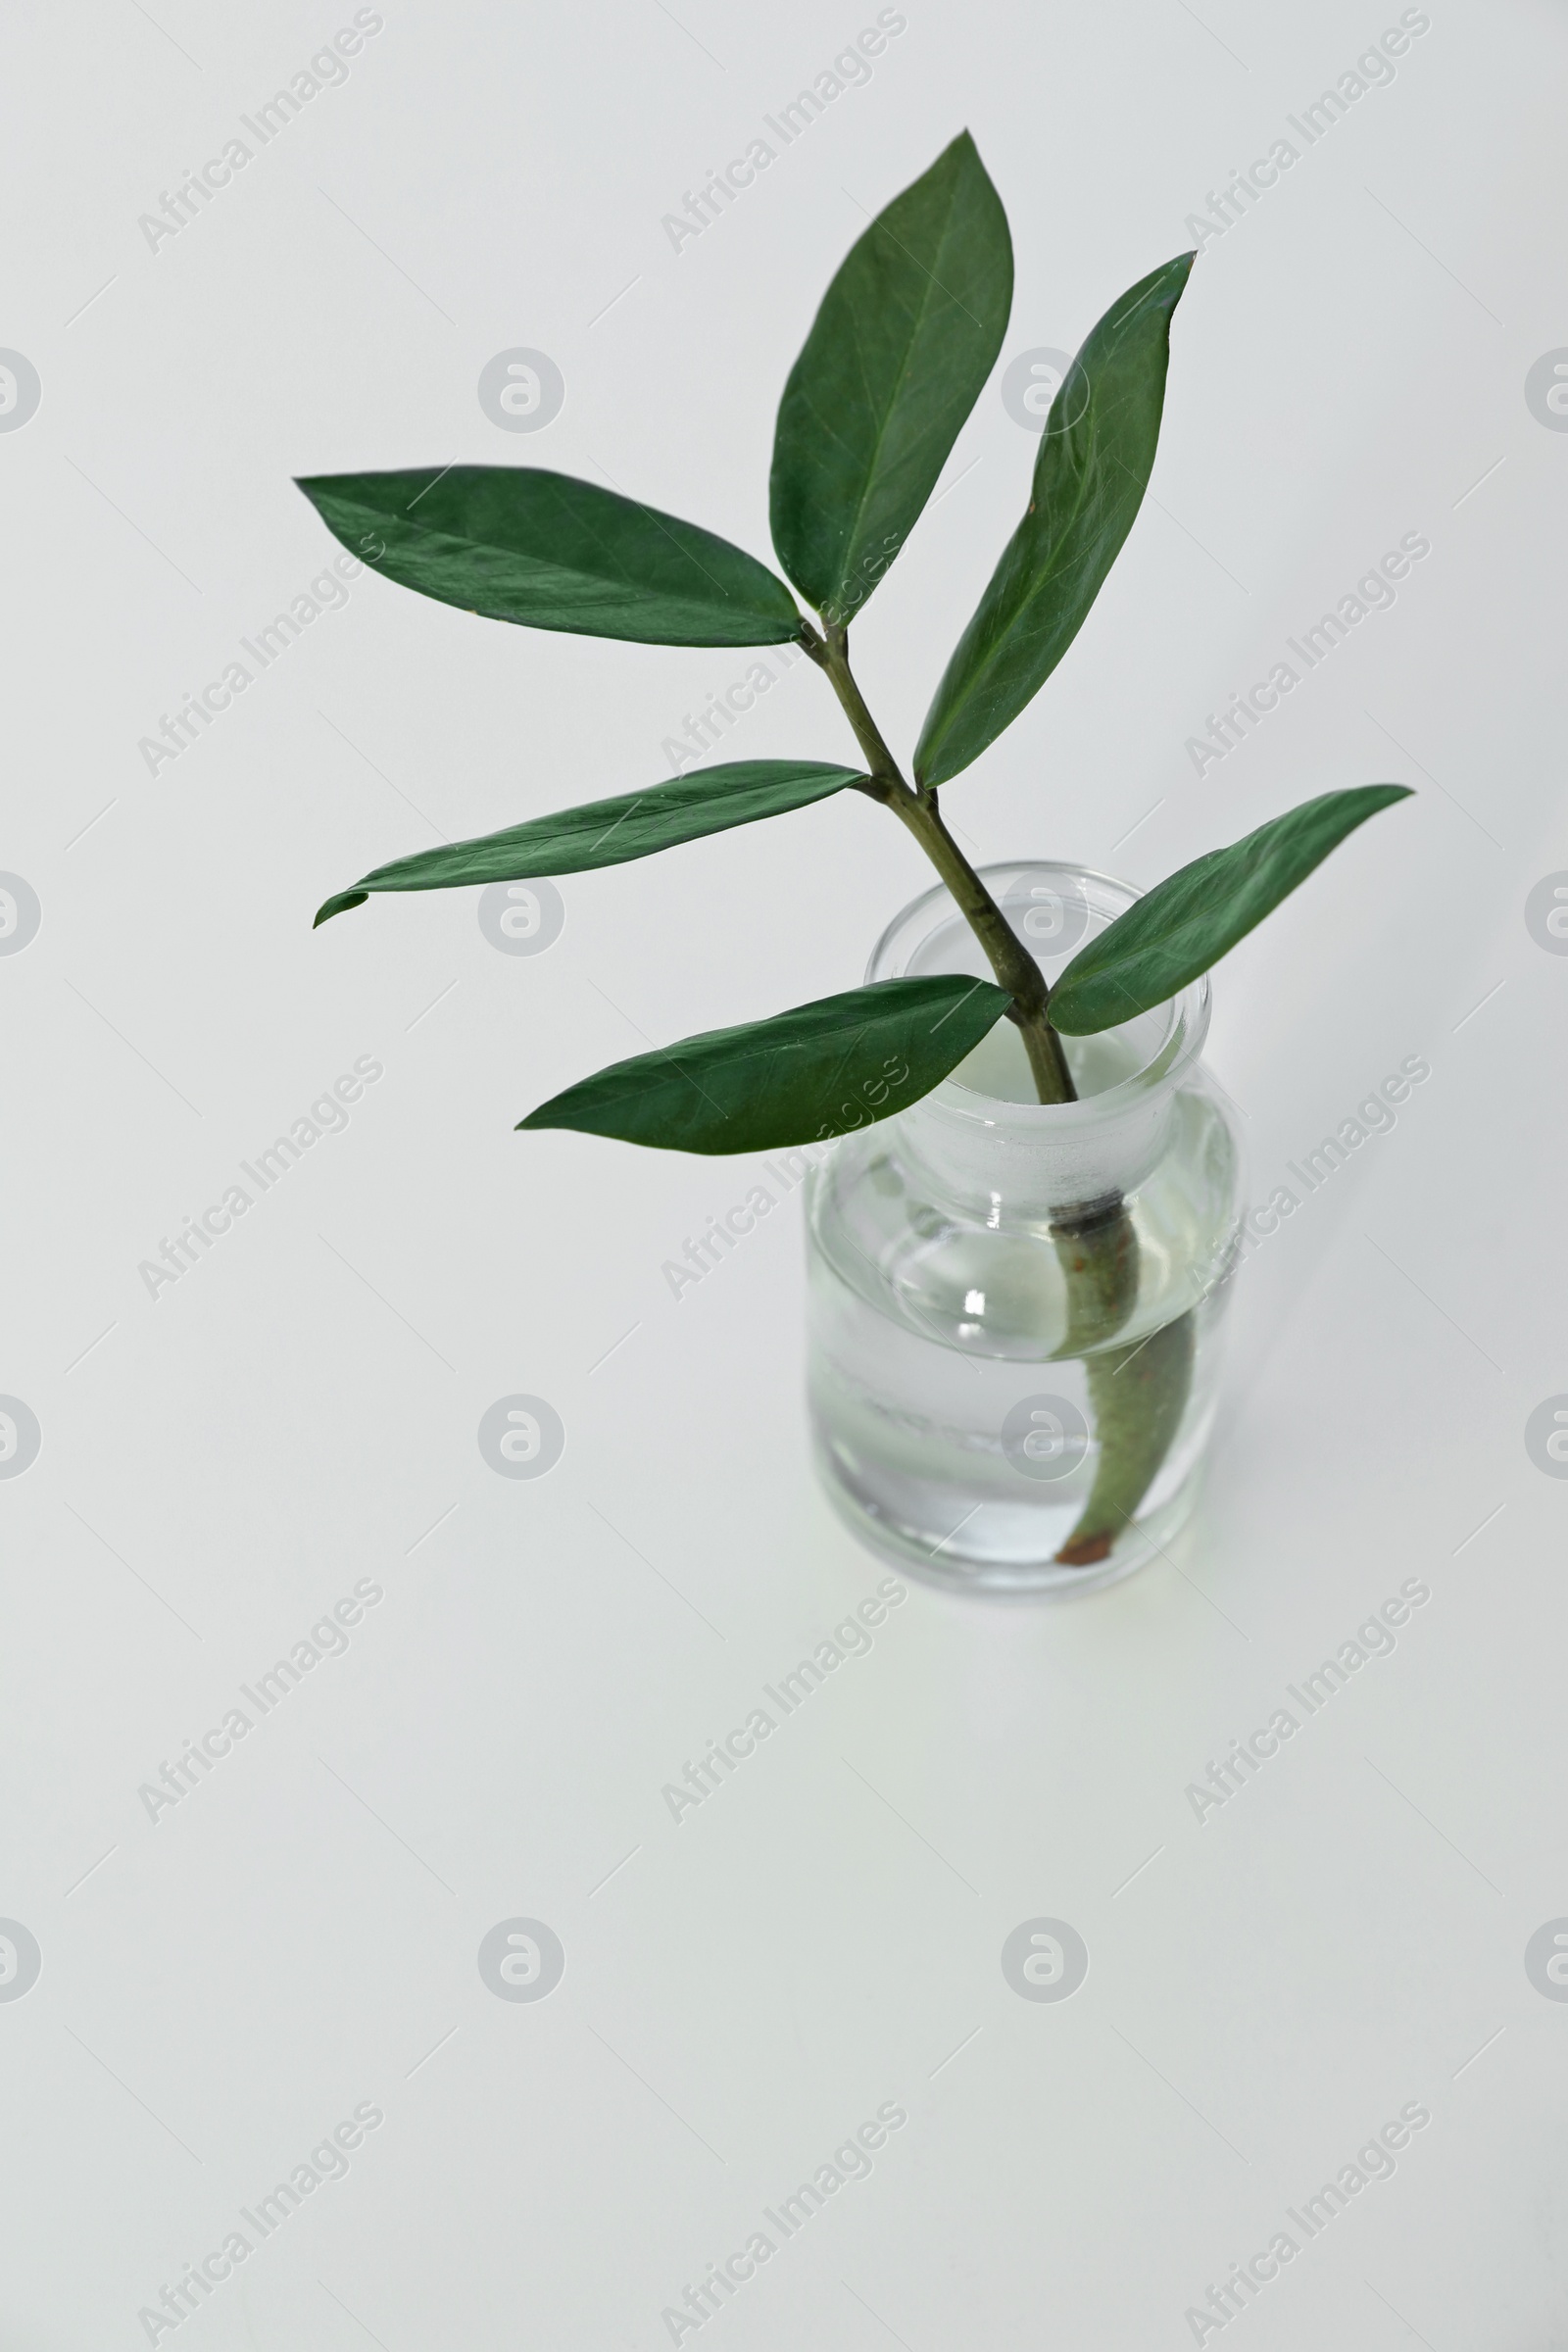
x,y
1057,1185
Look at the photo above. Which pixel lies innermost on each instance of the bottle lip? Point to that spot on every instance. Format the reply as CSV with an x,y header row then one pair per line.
x,y
1084,897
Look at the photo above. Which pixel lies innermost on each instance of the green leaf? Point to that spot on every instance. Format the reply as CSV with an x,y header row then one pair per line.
x,y
1186,923
905,337
518,543
1094,459
816,1071
573,841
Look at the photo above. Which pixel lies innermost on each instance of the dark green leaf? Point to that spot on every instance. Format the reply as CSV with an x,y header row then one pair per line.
x,y
573,841
1089,477
543,549
905,337
816,1071
1186,923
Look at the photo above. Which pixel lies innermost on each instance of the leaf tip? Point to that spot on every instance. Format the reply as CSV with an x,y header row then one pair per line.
x,y
1375,798
339,904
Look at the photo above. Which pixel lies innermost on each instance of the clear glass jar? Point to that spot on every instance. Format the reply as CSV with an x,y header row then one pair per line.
x,y
1015,1308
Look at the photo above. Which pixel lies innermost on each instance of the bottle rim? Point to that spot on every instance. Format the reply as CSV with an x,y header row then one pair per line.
x,y
1183,1018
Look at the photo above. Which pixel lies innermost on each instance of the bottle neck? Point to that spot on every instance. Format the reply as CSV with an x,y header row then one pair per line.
x,y
980,1139
985,1158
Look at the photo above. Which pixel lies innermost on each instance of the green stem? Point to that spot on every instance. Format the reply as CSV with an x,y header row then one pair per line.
x,y
1138,1393
916,809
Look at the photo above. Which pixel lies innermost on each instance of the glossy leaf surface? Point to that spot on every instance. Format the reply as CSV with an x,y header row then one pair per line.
x,y
906,334
634,825
1185,925
1095,457
816,1071
549,552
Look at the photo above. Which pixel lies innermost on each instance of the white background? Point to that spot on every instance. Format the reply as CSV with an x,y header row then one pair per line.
x,y
221,1463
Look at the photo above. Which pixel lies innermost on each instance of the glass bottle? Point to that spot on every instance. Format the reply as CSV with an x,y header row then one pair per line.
x,y
1015,1308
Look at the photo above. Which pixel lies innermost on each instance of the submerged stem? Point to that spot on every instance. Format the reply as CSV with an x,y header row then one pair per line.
x,y
916,809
